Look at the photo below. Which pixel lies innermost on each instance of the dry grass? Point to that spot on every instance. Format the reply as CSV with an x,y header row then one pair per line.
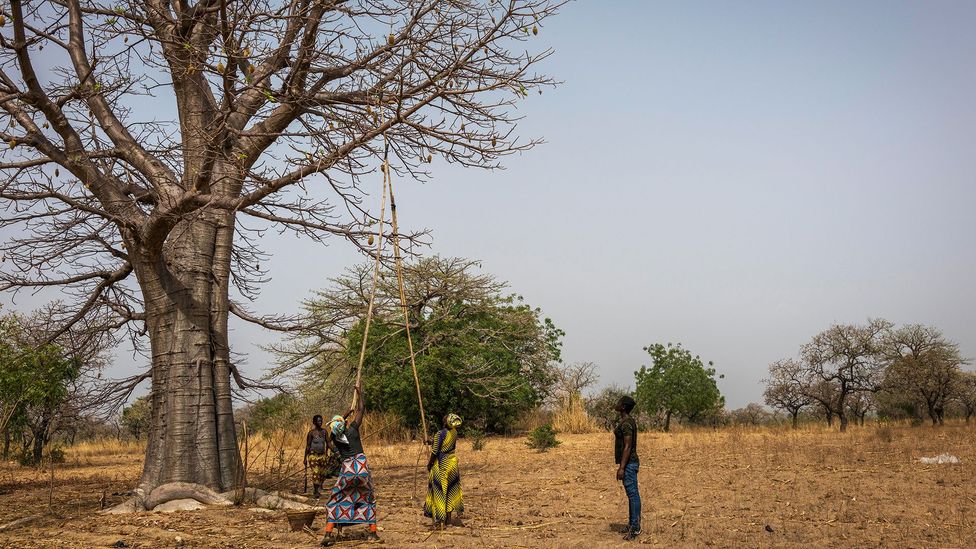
x,y
812,487
571,417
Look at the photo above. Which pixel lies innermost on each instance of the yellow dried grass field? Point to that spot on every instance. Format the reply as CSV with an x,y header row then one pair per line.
x,y
812,487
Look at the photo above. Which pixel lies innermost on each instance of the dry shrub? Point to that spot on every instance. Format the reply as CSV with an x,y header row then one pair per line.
x,y
385,428
105,447
571,417
884,434
532,420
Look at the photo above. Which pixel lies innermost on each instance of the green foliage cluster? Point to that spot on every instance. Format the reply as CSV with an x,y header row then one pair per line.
x,y
492,362
479,351
269,414
34,383
543,438
677,384
135,418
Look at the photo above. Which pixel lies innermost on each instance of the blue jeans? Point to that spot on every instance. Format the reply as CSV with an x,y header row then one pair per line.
x,y
633,495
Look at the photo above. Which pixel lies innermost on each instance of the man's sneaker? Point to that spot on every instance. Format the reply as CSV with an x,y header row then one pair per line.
x,y
372,536
632,535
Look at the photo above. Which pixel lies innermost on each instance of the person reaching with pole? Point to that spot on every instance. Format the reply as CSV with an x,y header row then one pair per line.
x,y
352,500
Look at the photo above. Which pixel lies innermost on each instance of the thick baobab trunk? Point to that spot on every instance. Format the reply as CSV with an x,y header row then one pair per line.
x,y
796,422
192,437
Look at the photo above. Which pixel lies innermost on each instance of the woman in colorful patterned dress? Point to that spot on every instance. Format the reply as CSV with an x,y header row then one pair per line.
x,y
351,500
444,480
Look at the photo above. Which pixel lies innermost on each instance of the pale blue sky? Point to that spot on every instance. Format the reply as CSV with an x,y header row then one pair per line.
x,y
733,176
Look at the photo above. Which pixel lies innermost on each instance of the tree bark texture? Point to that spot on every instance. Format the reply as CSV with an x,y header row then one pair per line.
x,y
192,437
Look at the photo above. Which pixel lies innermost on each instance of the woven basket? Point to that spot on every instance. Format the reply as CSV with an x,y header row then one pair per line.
x,y
298,520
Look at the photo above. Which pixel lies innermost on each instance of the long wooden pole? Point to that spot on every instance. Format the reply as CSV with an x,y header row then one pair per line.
x,y
376,272
403,305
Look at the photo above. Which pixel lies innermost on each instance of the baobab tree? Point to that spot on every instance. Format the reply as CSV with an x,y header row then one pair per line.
x,y
152,143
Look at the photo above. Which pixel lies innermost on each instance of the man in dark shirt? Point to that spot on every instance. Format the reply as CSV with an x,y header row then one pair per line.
x,y
625,455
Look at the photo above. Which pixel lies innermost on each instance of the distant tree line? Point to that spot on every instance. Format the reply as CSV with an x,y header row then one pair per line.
x,y
850,370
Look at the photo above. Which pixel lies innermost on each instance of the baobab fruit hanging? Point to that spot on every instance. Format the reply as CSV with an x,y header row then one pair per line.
x,y
370,240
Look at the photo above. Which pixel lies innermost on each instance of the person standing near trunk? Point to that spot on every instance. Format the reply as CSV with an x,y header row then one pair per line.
x,y
628,464
315,454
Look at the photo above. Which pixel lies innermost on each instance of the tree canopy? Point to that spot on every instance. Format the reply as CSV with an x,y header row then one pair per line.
x,y
479,350
35,381
677,383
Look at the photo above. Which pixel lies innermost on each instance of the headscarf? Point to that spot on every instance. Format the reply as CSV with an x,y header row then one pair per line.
x,y
453,420
337,426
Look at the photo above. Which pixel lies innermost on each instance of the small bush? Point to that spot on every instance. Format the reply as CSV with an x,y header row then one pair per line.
x,y
25,458
542,438
885,434
56,455
477,439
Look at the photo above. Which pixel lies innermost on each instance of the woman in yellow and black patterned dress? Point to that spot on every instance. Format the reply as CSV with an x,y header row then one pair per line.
x,y
444,481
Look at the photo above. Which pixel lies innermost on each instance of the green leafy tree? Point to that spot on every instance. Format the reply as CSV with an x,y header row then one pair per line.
x,y
135,418
34,383
677,383
280,411
479,351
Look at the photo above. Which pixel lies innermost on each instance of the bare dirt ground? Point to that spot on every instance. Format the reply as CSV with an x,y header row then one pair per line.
x,y
727,488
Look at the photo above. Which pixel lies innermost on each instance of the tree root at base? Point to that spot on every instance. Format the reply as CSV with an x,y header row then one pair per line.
x,y
164,493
